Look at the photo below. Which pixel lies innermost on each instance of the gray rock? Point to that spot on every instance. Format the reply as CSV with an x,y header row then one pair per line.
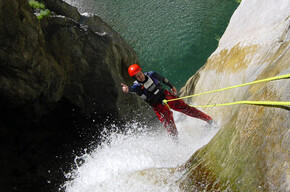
x,y
56,76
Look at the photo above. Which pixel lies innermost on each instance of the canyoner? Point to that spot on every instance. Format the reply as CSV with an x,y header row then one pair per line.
x,y
148,86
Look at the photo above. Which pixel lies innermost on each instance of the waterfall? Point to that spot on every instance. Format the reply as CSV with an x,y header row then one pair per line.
x,y
141,160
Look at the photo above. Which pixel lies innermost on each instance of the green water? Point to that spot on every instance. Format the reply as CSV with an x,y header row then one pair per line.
x,y
173,37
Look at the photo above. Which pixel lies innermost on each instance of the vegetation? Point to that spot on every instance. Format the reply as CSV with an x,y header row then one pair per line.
x,y
36,5
43,13
40,7
239,1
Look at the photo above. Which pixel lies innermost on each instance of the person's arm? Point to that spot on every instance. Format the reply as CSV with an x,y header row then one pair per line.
x,y
174,90
125,88
165,81
134,89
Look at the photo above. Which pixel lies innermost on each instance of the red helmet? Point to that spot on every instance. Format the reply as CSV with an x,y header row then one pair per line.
x,y
134,69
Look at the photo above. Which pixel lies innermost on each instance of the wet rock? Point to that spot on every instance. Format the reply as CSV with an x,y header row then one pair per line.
x,y
62,8
59,83
251,150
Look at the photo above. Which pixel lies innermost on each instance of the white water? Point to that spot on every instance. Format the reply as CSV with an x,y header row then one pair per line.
x,y
127,163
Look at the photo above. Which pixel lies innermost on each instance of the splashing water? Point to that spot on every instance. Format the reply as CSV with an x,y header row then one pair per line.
x,y
139,161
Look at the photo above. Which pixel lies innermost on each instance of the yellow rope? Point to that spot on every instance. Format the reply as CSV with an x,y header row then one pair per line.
x,y
269,103
165,101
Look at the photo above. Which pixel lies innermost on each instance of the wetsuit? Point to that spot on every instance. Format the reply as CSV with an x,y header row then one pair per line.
x,y
151,91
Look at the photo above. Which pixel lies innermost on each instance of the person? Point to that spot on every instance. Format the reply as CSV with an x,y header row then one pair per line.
x,y
148,86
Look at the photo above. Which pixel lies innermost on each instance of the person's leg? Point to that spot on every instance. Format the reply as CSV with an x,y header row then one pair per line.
x,y
165,116
181,106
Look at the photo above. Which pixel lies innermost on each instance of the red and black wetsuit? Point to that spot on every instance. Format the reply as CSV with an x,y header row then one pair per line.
x,y
152,92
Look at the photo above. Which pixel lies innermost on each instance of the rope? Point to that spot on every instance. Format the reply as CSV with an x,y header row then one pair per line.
x,y
269,103
165,101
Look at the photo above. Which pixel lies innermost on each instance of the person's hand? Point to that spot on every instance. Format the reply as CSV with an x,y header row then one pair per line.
x,y
125,88
174,90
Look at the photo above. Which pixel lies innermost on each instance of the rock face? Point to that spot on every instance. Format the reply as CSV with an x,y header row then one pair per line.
x,y
251,150
57,76
86,69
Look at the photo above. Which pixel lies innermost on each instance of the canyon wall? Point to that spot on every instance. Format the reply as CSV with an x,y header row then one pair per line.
x,y
60,81
251,150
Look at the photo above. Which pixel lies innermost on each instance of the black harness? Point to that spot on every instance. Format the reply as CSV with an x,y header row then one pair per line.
x,y
151,90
